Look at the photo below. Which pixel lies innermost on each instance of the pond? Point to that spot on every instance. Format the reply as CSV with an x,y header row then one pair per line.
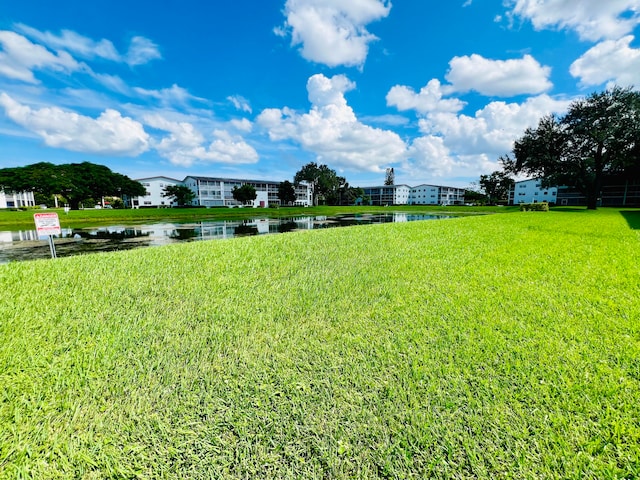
x,y
17,245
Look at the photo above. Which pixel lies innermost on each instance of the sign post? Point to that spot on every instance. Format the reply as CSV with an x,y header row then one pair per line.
x,y
48,224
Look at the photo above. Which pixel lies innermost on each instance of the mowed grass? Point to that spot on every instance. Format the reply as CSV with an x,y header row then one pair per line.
x,y
502,346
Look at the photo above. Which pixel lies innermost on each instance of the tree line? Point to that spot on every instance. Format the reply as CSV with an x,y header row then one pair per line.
x,y
72,183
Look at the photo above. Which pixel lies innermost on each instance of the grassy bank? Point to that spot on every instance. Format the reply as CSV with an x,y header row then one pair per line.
x,y
93,217
480,347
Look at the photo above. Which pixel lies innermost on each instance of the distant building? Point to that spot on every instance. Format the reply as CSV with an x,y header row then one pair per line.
x,y
531,191
419,195
425,195
388,194
216,192
16,199
155,187
617,191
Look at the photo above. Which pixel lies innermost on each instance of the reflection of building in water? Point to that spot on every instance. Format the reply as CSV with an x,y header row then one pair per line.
x,y
215,192
19,236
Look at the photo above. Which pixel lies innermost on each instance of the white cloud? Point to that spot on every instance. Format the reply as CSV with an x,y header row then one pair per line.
x,y
333,32
331,131
20,57
459,145
612,61
109,134
242,125
240,103
493,128
185,145
503,78
429,99
592,19
175,95
141,50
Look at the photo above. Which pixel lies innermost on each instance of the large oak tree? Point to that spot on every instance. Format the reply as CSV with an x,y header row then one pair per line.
x,y
599,136
75,181
324,181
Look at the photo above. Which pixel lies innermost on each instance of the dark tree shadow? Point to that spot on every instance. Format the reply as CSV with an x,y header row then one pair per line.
x,y
632,217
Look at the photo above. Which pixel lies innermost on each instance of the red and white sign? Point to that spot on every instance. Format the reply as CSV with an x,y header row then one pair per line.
x,y
47,223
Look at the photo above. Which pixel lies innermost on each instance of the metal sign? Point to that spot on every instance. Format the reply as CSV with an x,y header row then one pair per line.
x,y
48,224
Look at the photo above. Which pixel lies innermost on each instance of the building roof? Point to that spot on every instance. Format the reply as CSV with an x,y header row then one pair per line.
x,y
223,179
159,177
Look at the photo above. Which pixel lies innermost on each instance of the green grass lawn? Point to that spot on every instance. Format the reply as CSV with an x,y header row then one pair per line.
x,y
498,346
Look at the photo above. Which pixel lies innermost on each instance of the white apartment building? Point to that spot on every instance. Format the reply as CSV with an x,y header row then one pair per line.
x,y
388,194
425,195
16,199
216,192
419,195
155,187
531,191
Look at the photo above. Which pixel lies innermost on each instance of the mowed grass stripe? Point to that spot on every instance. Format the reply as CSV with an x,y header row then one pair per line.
x,y
497,346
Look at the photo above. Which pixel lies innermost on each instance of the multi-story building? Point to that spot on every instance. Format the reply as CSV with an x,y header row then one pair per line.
x,y
16,199
155,188
420,195
531,191
217,192
425,195
617,191
388,194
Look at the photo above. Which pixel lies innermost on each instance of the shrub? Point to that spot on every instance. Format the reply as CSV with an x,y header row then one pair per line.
x,y
534,207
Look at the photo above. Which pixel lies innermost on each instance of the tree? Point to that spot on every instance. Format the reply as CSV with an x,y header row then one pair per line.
x,y
244,194
75,181
349,195
597,137
390,177
286,193
496,186
324,181
474,195
181,194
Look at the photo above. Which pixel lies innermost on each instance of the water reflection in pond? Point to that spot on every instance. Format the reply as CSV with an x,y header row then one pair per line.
x,y
25,244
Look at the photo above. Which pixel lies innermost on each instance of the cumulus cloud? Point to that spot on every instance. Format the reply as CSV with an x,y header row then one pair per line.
x,y
454,144
109,134
612,61
242,124
502,78
592,19
333,32
185,144
429,99
331,130
493,128
19,57
141,50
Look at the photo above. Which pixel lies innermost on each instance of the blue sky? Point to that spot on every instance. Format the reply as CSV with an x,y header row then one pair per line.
x,y
258,88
